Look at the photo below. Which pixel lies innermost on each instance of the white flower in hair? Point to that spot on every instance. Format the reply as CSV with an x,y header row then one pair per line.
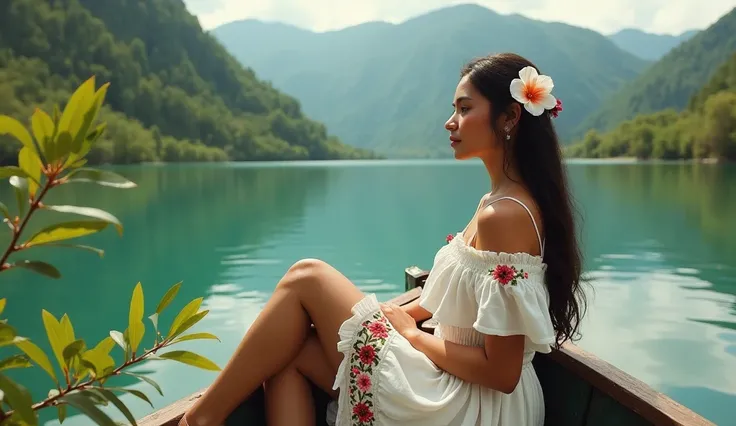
x,y
533,91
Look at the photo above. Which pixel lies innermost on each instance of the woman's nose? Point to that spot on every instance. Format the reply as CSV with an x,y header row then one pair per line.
x,y
450,124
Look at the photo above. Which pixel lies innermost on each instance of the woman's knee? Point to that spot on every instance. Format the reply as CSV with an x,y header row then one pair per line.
x,y
304,271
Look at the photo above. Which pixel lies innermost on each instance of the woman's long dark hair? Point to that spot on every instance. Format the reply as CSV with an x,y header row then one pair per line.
x,y
537,155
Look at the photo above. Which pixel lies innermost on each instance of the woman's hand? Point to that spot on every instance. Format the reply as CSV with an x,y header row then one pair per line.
x,y
402,322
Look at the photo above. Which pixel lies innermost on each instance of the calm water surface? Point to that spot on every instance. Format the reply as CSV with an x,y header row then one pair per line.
x,y
659,243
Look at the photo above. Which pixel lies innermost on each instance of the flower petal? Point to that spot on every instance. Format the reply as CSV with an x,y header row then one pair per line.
x,y
517,90
534,109
548,102
544,82
528,74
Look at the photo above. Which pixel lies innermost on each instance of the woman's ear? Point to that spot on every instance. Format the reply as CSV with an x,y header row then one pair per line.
x,y
513,115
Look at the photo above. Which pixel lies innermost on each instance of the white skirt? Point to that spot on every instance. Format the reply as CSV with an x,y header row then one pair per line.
x,y
384,380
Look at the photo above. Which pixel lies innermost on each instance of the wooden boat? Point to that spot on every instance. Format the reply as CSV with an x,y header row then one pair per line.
x,y
579,389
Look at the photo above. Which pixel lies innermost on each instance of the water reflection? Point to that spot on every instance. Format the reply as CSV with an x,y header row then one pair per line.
x,y
659,246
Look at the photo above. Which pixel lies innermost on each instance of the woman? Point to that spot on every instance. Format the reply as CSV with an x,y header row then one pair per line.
x,y
501,290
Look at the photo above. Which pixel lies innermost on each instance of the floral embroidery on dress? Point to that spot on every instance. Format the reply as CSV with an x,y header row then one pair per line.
x,y
507,274
449,238
371,338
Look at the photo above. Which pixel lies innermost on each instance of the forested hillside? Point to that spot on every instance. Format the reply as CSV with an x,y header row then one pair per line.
x,y
389,87
706,129
670,82
175,93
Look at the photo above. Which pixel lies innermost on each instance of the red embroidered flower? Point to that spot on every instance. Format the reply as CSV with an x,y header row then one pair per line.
x,y
449,237
507,274
504,274
378,329
363,412
557,109
355,370
364,382
367,354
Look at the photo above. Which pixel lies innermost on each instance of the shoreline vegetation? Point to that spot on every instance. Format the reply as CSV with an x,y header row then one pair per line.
x,y
705,131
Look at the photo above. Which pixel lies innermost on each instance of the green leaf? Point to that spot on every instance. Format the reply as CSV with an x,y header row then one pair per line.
x,y
145,379
136,328
38,356
66,230
56,335
67,328
88,117
43,130
168,297
192,359
64,145
105,345
100,177
187,311
98,361
89,212
20,186
119,339
3,302
186,325
154,319
8,171
12,127
195,336
73,350
61,411
134,392
99,252
118,403
19,400
7,334
29,162
42,268
15,361
4,210
78,104
83,401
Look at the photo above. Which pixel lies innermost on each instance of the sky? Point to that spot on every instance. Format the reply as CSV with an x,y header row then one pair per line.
x,y
604,16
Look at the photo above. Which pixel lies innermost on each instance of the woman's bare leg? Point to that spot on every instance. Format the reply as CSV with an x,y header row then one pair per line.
x,y
289,398
310,290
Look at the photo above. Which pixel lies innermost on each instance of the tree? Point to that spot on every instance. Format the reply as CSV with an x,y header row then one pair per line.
x,y
52,154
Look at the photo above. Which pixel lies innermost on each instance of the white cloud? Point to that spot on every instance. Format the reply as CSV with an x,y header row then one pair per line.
x,y
657,16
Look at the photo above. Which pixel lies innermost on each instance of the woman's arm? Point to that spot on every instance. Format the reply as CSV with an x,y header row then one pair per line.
x,y
417,312
496,366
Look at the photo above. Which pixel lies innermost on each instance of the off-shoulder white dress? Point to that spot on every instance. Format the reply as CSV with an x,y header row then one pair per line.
x,y
384,380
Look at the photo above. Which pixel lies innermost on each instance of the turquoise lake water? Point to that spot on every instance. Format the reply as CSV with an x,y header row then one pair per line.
x,y
659,243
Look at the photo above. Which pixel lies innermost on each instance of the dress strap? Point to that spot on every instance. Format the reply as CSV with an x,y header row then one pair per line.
x,y
534,222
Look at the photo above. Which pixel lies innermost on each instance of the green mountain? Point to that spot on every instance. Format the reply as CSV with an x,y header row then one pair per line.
x,y
646,45
705,129
175,92
672,81
389,87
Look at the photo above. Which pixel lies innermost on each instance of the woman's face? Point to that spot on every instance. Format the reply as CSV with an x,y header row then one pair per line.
x,y
471,133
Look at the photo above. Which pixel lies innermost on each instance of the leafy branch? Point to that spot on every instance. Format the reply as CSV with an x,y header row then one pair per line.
x,y
54,156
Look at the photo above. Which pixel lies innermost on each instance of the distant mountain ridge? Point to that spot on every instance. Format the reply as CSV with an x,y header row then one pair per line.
x,y
388,87
647,45
671,81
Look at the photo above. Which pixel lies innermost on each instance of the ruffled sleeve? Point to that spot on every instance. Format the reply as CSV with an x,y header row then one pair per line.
x,y
494,293
513,300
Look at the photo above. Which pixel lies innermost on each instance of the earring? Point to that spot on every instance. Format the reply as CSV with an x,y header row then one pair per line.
x,y
508,135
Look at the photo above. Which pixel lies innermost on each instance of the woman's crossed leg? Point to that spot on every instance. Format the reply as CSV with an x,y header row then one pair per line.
x,y
311,292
